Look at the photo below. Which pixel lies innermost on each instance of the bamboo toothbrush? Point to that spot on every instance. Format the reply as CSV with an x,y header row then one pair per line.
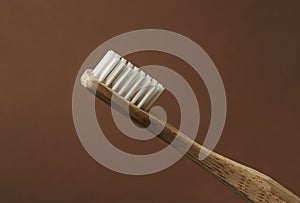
x,y
114,76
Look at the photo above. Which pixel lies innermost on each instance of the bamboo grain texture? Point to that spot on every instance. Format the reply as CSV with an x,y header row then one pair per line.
x,y
250,184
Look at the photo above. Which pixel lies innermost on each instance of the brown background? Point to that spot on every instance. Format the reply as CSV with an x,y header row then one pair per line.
x,y
254,44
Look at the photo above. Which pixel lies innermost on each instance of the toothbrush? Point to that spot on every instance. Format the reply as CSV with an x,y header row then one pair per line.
x,y
115,77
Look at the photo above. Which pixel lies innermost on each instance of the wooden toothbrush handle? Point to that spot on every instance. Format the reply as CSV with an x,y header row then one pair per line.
x,y
248,183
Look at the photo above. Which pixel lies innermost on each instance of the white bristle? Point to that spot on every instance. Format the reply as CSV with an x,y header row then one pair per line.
x,y
119,67
109,66
142,90
147,95
124,77
158,91
132,75
127,80
135,86
108,56
120,79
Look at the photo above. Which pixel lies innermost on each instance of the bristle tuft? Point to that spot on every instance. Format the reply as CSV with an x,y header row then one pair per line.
x,y
127,80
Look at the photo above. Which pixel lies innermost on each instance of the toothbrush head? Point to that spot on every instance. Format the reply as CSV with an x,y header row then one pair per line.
x,y
127,80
